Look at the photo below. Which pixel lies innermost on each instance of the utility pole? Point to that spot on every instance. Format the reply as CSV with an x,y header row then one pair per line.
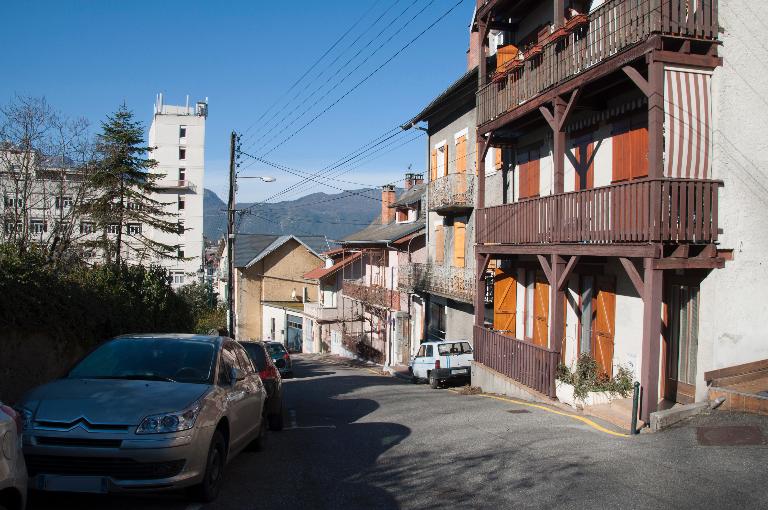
x,y
231,239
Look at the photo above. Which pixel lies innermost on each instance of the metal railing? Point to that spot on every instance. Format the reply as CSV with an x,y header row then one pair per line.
x,y
372,294
176,184
447,281
452,192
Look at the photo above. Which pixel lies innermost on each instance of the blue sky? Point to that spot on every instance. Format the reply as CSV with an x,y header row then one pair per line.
x,y
87,57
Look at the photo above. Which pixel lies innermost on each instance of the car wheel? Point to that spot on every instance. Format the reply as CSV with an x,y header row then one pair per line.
x,y
414,379
276,420
209,488
433,382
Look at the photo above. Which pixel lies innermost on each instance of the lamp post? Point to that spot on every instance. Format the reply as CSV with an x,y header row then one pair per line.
x,y
231,324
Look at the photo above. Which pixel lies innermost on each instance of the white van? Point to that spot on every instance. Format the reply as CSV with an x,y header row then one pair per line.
x,y
441,362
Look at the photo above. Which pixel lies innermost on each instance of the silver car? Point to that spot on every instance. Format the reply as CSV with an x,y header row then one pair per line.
x,y
13,474
145,412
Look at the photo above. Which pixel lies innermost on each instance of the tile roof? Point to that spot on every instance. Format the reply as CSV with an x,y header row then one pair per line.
x,y
378,233
250,248
412,195
322,272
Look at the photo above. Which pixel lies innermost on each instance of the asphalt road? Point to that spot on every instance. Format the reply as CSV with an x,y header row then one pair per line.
x,y
356,439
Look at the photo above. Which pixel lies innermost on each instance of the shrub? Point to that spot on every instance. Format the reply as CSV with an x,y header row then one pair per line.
x,y
587,377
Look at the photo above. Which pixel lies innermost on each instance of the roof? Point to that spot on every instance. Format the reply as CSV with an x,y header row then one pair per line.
x,y
410,196
385,233
322,272
468,81
251,248
297,306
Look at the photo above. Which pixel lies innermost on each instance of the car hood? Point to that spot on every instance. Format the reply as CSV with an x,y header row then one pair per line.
x,y
113,401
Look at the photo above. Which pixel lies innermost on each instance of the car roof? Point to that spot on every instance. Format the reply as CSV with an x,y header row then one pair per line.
x,y
438,342
173,336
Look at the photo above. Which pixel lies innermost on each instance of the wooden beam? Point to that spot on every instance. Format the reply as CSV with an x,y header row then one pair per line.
x,y
557,329
708,251
692,263
545,266
638,79
569,108
563,280
681,251
595,250
548,117
486,145
481,262
674,57
651,346
634,275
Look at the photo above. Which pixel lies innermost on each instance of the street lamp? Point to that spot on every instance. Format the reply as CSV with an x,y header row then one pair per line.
x,y
265,178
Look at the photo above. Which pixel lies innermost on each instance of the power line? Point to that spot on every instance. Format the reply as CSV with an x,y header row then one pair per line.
x,y
367,77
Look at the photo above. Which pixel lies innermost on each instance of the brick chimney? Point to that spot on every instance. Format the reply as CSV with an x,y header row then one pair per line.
x,y
408,181
473,53
387,199
418,179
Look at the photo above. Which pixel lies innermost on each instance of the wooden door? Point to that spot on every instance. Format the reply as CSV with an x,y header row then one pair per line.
x,y
603,329
459,243
541,311
504,302
683,343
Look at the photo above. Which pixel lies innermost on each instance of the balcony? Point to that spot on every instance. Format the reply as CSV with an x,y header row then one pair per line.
x,y
647,210
321,313
452,193
450,282
372,294
176,185
612,28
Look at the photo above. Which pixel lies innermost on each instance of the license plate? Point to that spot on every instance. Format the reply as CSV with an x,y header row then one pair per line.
x,y
461,371
93,484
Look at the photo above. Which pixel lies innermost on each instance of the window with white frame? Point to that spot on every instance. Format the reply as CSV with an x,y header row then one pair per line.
x,y
182,202
87,227
178,278
113,228
11,226
63,202
442,160
38,226
134,229
13,201
182,153
182,174
182,131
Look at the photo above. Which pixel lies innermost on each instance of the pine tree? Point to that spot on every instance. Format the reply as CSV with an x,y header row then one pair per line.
x,y
124,184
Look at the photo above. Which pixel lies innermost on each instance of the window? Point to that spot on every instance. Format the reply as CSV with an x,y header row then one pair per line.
x,y
402,215
178,278
430,351
13,201
461,154
182,174
228,362
113,229
134,229
181,228
422,351
87,227
442,160
182,153
630,150
38,226
134,206
182,131
63,202
528,174
181,253
305,295
684,334
181,202
11,227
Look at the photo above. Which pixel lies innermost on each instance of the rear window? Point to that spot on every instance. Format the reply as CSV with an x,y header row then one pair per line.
x,y
256,352
453,348
275,348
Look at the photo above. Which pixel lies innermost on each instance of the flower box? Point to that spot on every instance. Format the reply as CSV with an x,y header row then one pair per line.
x,y
565,394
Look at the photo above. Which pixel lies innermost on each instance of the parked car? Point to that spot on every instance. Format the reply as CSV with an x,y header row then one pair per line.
x,y
281,357
145,412
13,472
273,382
442,362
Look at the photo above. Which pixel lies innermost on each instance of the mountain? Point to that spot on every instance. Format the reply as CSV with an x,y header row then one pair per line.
x,y
334,216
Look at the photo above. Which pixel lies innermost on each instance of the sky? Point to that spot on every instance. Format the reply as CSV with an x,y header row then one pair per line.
x,y
88,57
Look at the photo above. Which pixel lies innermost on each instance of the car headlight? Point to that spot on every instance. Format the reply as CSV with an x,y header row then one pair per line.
x,y
170,422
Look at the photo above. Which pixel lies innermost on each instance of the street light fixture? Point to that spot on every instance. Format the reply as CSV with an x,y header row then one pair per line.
x,y
265,178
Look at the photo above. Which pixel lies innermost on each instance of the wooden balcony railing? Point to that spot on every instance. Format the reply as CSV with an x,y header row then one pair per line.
x,y
451,193
613,27
524,362
648,210
452,282
372,294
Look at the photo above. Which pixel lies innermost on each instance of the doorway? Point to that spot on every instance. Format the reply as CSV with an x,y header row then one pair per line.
x,y
682,343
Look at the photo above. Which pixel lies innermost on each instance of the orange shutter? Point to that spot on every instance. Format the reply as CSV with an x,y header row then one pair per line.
x,y
534,180
621,146
433,166
499,159
439,244
541,311
504,302
639,151
445,159
603,327
461,155
459,243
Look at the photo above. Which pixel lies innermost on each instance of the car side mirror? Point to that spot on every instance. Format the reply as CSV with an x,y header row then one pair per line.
x,y
235,374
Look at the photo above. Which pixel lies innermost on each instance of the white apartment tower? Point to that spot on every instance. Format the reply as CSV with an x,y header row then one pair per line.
x,y
177,136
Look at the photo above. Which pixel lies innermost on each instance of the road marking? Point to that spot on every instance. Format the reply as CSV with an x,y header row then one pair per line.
x,y
553,411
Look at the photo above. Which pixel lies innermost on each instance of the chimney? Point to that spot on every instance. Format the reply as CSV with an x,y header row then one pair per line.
x,y
387,199
408,181
475,48
418,179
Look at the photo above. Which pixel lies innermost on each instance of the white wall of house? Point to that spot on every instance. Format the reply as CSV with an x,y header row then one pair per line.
x,y
277,314
165,136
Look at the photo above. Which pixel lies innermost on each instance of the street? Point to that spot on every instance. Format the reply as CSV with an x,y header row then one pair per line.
x,y
356,439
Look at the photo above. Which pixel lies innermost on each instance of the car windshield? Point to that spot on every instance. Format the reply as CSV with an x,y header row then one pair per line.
x,y
151,359
256,353
275,349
